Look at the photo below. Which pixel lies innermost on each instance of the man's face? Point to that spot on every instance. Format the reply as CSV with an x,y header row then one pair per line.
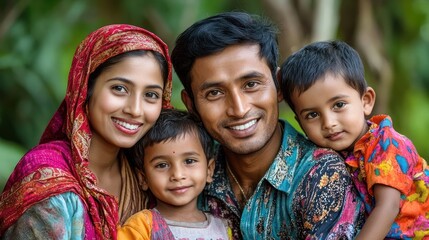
x,y
236,98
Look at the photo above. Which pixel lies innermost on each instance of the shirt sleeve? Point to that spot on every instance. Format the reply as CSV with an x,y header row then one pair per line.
x,y
138,226
58,217
390,160
328,204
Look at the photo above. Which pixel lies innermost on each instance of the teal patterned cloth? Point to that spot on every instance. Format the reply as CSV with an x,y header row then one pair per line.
x,y
58,217
307,193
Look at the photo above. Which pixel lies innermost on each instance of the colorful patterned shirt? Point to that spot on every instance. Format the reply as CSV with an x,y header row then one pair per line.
x,y
306,193
383,156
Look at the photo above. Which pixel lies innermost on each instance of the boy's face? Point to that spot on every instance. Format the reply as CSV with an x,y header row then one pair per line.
x,y
236,98
176,171
332,113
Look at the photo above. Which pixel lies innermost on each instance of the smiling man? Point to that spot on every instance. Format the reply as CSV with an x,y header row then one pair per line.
x,y
270,182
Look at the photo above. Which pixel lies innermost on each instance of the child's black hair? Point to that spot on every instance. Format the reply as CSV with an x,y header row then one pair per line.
x,y
309,64
171,125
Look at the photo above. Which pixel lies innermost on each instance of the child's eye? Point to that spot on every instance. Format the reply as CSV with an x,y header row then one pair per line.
x,y
339,105
161,165
190,161
311,115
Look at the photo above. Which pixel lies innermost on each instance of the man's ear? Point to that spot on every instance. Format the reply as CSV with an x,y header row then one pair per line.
x,y
189,104
210,170
279,90
368,100
186,99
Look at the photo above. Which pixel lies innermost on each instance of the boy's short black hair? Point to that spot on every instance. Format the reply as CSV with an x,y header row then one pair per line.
x,y
171,125
304,67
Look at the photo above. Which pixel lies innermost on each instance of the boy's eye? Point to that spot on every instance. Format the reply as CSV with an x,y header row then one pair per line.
x,y
311,115
339,105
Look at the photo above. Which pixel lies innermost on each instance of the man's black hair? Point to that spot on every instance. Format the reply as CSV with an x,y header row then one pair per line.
x,y
215,33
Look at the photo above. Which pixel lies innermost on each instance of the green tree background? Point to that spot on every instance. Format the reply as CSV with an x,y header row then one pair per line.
x,y
38,40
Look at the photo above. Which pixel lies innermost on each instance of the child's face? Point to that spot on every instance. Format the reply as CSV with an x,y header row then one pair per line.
x,y
176,171
332,113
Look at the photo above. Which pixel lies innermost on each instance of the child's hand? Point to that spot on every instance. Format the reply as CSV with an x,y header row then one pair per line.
x,y
379,222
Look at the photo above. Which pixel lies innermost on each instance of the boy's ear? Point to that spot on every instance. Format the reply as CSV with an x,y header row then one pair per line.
x,y
368,100
210,170
297,120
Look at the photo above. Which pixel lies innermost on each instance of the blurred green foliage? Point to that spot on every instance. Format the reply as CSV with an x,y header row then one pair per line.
x,y
38,40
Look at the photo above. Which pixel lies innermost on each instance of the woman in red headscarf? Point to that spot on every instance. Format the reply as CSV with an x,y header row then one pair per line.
x,y
78,183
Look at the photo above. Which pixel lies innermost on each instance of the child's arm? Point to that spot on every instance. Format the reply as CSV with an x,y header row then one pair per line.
x,y
379,222
138,226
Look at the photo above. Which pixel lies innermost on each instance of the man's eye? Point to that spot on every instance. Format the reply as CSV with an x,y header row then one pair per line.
x,y
251,84
214,93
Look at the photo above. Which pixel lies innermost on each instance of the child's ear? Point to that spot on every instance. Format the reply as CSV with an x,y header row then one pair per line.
x,y
210,170
368,100
297,120
144,183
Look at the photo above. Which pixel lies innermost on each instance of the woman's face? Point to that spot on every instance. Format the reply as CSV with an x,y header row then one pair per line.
x,y
126,101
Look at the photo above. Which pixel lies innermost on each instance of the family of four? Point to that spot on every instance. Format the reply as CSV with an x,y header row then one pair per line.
x,y
117,161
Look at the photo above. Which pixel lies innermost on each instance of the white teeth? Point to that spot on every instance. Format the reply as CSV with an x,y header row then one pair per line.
x,y
126,125
244,126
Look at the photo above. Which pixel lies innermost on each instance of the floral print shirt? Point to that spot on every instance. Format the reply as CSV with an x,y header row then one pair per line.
x,y
306,193
383,156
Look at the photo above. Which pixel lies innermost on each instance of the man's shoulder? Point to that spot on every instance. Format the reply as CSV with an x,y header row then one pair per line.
x,y
306,150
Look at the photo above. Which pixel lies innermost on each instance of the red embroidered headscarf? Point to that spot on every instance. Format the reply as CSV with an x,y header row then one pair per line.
x,y
70,125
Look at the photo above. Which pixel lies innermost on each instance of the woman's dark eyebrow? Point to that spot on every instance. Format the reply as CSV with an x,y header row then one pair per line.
x,y
125,80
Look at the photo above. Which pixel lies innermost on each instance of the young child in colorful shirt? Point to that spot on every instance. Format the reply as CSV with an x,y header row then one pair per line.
x,y
324,85
178,161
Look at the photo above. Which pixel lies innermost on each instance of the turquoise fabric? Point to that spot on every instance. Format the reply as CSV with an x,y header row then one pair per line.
x,y
307,193
58,217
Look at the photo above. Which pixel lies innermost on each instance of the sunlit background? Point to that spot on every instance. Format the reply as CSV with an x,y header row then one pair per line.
x,y
38,39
